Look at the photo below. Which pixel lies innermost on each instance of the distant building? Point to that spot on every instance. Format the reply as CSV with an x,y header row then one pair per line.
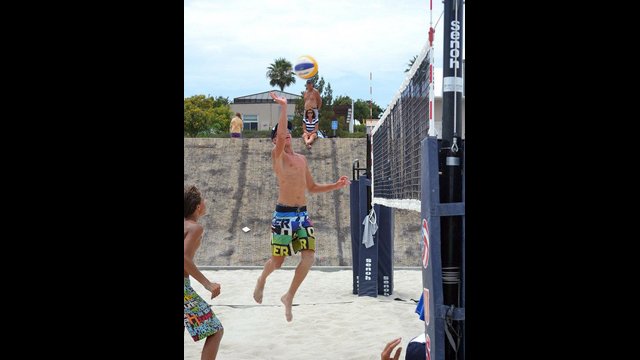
x,y
371,123
260,112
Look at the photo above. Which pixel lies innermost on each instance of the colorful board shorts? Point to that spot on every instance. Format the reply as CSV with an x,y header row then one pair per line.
x,y
199,319
291,227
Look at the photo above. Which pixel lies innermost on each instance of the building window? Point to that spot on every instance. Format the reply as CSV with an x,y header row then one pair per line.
x,y
249,122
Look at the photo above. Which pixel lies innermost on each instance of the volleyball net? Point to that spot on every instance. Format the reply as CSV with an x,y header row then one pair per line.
x,y
408,119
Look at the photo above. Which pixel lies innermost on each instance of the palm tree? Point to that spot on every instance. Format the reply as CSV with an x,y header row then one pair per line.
x,y
280,74
410,64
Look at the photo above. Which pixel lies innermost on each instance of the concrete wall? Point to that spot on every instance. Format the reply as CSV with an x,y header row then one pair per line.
x,y
236,178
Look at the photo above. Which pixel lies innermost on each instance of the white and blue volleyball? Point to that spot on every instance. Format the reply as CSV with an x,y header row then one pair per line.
x,y
306,67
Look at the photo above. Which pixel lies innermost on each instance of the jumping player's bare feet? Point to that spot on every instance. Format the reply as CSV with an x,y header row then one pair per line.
x,y
257,292
287,301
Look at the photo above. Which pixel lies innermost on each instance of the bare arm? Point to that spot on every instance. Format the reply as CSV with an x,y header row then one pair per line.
x,y
282,124
312,187
191,268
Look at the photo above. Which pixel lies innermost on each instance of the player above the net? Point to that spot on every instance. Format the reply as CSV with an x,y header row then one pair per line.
x,y
291,226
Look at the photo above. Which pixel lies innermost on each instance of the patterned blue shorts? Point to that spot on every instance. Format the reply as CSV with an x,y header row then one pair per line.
x,y
199,319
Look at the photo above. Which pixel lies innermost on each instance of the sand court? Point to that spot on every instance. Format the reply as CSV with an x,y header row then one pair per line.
x,y
329,321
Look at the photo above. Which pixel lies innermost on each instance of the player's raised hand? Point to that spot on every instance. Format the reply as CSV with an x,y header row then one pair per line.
x,y
279,100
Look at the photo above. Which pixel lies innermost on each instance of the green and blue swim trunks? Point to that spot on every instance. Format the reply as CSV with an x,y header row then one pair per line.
x,y
291,228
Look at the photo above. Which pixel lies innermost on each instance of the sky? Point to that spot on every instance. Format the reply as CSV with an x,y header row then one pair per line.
x,y
228,45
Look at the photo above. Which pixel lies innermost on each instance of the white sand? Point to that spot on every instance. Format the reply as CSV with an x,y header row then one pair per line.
x,y
330,322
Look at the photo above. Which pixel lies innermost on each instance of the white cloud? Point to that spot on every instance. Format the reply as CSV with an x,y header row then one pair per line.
x,y
228,45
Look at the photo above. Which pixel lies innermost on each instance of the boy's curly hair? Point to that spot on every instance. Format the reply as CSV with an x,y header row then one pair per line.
x,y
192,199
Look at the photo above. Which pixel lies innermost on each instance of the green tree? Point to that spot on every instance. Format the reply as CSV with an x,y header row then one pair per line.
x,y
221,119
205,116
360,107
298,115
360,128
342,100
319,86
220,101
326,116
361,110
327,97
410,64
280,73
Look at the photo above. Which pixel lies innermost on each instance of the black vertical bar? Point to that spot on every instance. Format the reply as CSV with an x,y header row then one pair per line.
x,y
431,247
384,241
354,205
367,257
452,72
451,154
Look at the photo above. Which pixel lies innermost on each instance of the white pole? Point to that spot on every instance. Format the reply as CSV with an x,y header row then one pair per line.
x,y
432,122
351,119
371,97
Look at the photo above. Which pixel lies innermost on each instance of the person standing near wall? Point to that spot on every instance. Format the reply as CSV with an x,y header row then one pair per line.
x,y
236,126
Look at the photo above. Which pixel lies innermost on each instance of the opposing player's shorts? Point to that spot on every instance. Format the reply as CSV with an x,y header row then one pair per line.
x,y
291,228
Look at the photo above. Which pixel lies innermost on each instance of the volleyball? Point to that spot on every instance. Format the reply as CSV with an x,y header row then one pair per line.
x,y
306,67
